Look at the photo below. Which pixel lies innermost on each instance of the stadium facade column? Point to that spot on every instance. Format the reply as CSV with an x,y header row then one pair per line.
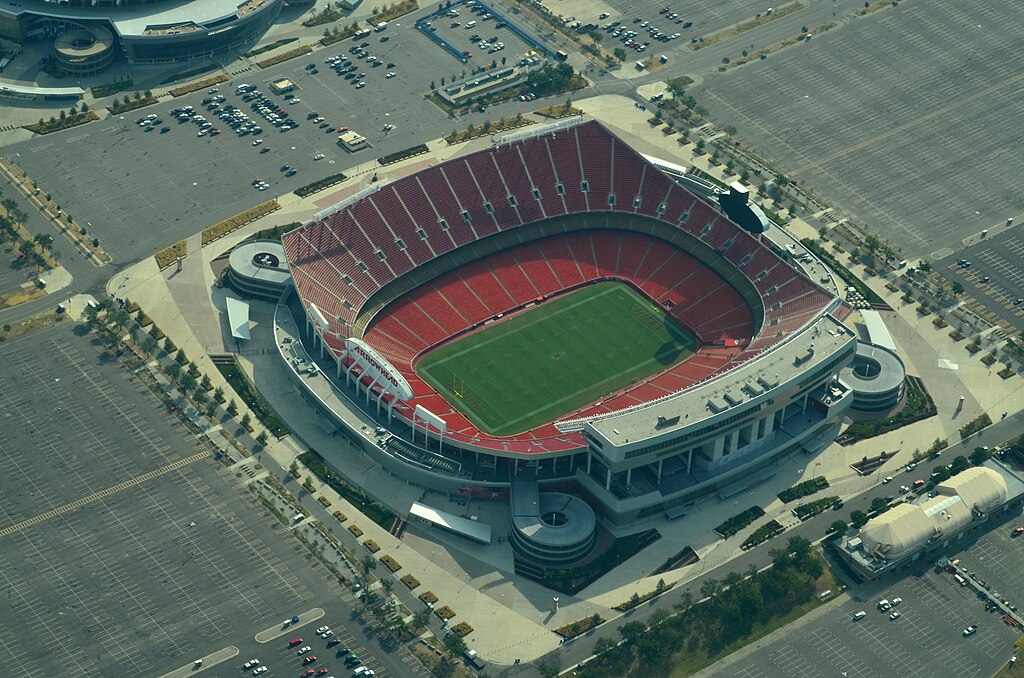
x,y
608,479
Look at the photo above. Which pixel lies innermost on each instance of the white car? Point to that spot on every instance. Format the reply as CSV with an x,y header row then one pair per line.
x,y
257,142
390,74
328,633
896,601
202,133
304,649
318,156
252,663
360,85
294,101
260,670
322,629
887,479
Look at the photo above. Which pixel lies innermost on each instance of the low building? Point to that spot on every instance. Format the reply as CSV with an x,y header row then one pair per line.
x,y
282,86
963,505
258,269
352,142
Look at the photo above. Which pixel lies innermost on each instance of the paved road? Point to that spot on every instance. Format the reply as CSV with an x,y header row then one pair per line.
x,y
814,529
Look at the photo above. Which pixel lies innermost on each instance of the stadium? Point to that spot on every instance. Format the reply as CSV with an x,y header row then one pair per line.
x,y
556,311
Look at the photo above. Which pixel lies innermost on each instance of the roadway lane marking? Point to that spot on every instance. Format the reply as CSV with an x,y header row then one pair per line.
x,y
102,494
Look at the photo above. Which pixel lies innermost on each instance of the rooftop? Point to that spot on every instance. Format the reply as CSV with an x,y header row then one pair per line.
x,y
801,354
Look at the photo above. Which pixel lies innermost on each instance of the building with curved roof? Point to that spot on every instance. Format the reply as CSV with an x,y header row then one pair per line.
x,y
909,530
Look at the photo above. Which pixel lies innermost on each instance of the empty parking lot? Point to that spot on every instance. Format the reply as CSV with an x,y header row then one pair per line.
x,y
926,640
124,548
906,118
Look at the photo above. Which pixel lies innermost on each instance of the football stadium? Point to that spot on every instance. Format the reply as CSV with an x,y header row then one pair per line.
x,y
557,312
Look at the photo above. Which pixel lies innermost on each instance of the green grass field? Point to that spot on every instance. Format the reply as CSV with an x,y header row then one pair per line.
x,y
542,364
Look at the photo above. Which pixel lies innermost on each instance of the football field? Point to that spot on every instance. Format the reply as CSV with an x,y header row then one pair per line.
x,y
537,366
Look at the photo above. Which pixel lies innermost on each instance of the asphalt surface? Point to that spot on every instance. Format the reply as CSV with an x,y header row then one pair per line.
x,y
581,649
925,640
878,116
999,259
124,547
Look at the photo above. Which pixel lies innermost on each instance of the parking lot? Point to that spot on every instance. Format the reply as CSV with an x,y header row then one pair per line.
x,y
495,42
904,118
995,275
334,653
995,559
124,547
144,190
925,640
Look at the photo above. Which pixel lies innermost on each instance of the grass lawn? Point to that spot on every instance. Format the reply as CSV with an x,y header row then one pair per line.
x,y
565,353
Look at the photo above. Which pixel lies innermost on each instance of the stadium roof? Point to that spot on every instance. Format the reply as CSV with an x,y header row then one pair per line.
x,y
908,526
827,336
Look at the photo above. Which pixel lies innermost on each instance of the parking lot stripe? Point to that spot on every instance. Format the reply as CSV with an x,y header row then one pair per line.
x,y
96,496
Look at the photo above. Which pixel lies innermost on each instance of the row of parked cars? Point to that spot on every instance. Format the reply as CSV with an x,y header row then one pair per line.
x,y
351,660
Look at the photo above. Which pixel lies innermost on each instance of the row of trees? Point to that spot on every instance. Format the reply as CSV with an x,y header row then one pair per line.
x,y
109,320
735,606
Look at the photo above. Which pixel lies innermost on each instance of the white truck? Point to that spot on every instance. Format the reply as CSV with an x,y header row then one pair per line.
x,y
474,660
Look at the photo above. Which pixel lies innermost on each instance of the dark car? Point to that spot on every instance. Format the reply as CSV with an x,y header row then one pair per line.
x,y
290,173
165,130
285,168
391,65
365,44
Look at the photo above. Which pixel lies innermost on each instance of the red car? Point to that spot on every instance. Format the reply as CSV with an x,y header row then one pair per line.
x,y
264,150
307,673
310,659
1018,530
322,672
294,641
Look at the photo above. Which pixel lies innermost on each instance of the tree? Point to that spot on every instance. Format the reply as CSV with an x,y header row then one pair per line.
x,y
206,382
262,438
710,587
454,643
173,371
780,180
619,53
232,407
959,465
188,382
368,563
980,456
632,631
546,669
858,518
246,420
387,584
180,356
149,345
421,619
659,617
838,527
211,410
199,395
685,602
603,644
218,393
63,115
872,243
925,266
